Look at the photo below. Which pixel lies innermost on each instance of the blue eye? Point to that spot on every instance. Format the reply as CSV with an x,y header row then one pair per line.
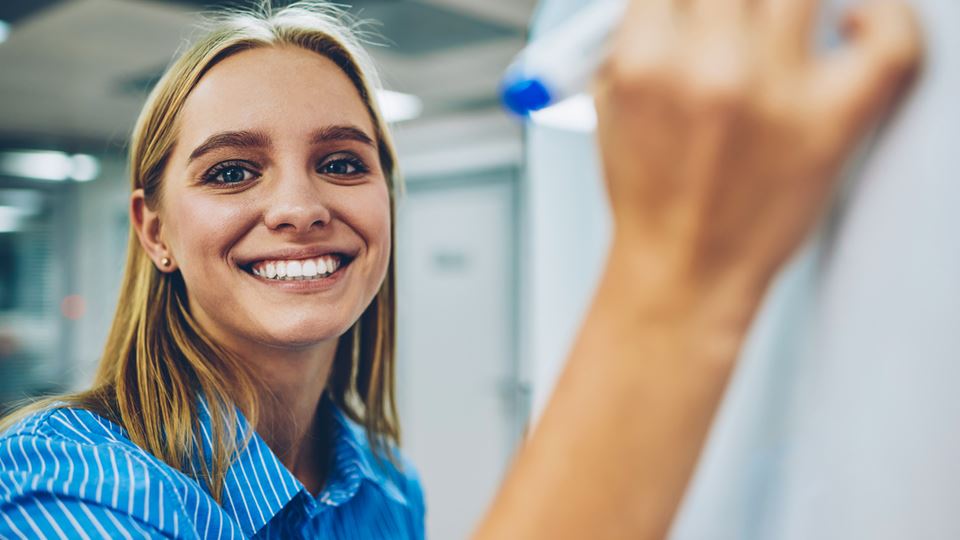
x,y
229,172
342,165
232,175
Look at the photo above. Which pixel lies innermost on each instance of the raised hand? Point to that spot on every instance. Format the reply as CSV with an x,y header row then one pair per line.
x,y
722,129
721,133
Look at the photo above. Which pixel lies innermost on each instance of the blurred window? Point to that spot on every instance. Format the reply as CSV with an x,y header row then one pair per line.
x,y
31,325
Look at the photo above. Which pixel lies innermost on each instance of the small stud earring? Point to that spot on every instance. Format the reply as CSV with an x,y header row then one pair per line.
x,y
165,261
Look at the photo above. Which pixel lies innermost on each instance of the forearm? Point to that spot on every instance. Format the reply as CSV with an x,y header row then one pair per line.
x,y
647,371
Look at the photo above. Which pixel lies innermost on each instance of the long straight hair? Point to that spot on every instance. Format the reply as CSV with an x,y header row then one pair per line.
x,y
158,361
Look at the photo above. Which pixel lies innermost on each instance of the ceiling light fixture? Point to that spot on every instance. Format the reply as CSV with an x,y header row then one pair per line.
x,y
397,106
84,168
49,165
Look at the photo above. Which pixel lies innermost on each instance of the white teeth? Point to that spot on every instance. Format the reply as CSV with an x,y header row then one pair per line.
x,y
320,267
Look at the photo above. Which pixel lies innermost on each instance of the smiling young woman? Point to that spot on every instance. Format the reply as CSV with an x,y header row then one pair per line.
x,y
259,291
247,385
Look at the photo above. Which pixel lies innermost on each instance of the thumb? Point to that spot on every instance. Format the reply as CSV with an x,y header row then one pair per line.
x,y
882,53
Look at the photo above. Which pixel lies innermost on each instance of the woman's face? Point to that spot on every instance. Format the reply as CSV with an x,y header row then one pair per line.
x,y
274,205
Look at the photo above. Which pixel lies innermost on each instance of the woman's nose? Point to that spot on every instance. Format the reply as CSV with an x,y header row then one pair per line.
x,y
296,203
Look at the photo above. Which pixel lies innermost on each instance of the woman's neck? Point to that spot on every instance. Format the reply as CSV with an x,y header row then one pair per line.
x,y
291,420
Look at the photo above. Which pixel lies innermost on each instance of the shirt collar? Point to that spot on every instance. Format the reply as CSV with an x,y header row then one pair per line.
x,y
354,463
258,486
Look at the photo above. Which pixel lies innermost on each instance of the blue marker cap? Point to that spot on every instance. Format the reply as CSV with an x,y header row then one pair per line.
x,y
525,96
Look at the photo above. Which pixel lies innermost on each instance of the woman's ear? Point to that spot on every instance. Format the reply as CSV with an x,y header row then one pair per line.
x,y
146,223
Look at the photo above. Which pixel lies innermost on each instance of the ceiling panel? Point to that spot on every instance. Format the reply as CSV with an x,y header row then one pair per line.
x,y
15,11
415,28
78,70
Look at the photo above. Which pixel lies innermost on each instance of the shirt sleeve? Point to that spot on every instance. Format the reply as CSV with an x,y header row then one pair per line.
x,y
45,515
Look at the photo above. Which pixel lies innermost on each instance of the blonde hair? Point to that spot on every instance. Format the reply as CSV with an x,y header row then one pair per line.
x,y
157,360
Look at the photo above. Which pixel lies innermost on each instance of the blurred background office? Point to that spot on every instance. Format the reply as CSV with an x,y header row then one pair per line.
x,y
840,421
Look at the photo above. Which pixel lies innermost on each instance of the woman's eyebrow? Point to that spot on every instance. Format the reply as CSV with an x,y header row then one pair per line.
x,y
340,133
231,139
259,139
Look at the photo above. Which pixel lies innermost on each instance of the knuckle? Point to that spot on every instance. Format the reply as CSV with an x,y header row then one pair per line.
x,y
898,37
905,55
716,75
640,71
715,90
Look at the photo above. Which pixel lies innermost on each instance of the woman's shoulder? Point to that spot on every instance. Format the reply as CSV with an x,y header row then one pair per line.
x,y
63,424
62,466
59,440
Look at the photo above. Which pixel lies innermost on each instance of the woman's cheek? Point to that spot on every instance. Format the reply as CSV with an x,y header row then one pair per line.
x,y
206,227
373,215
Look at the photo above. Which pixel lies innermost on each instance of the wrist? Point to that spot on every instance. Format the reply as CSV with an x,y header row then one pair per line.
x,y
709,310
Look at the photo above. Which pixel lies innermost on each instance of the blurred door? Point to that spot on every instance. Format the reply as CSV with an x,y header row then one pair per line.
x,y
461,403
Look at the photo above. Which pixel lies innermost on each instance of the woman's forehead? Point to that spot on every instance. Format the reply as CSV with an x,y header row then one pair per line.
x,y
285,92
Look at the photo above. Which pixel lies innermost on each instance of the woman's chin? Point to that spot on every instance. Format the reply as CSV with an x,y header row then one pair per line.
x,y
301,338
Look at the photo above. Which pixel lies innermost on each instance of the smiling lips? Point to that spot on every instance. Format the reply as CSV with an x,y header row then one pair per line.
x,y
300,269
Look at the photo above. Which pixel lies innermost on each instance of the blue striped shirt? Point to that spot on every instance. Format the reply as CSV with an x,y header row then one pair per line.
x,y
70,473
